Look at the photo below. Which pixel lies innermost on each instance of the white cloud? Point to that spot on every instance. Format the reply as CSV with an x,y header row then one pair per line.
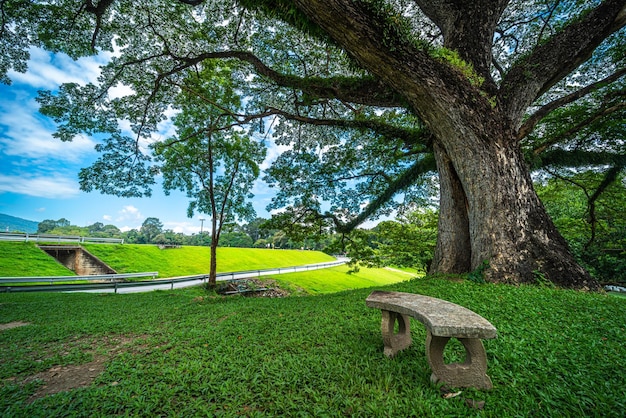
x,y
48,71
129,213
187,227
273,151
107,218
52,187
27,136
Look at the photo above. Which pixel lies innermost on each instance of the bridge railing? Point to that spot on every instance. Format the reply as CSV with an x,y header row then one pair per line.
x,y
10,236
94,277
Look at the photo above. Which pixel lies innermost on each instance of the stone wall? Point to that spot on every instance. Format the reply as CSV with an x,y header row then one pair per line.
x,y
77,259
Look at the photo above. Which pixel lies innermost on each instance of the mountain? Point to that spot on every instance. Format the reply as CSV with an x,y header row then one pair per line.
x,y
10,223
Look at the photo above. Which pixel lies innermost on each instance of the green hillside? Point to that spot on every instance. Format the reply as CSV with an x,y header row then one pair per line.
x,y
10,223
19,259
184,261
23,259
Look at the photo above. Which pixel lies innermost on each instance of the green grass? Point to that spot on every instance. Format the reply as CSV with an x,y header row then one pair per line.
x,y
130,258
336,279
25,259
186,353
22,259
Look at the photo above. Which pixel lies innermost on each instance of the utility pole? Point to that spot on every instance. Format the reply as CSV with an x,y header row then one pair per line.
x,y
201,224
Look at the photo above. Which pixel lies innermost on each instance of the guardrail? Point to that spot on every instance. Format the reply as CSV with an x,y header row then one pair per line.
x,y
162,284
10,236
52,279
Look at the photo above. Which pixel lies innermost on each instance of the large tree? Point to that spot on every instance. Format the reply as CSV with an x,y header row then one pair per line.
x,y
369,95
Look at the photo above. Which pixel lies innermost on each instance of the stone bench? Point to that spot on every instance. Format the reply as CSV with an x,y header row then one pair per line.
x,y
443,320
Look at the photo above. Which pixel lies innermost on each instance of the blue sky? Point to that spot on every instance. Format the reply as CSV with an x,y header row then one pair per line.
x,y
39,174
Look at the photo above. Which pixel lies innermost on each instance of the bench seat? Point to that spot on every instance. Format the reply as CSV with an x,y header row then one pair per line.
x,y
443,320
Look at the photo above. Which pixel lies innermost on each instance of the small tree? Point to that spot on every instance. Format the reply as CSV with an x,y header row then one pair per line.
x,y
210,159
409,242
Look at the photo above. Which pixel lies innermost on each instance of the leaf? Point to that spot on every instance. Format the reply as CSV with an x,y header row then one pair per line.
x,y
480,405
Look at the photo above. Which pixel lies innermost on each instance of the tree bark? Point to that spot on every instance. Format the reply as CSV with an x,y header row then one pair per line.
x,y
453,250
213,265
508,226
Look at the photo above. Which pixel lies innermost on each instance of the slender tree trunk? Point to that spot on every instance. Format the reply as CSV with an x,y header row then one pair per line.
x,y
213,265
215,238
453,250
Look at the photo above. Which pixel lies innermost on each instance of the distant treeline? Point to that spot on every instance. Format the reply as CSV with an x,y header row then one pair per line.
x,y
250,235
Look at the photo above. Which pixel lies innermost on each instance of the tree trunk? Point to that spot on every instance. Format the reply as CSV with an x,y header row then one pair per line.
x,y
453,250
507,224
213,265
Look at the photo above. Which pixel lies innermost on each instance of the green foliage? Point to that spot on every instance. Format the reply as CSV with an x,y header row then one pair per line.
x,y
594,229
215,164
478,275
236,239
47,225
408,242
150,228
183,353
452,57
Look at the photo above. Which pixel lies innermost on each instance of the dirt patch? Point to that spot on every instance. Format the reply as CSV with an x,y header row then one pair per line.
x,y
73,376
64,378
14,324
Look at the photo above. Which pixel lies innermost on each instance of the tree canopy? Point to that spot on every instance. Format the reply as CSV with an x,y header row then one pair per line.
x,y
370,99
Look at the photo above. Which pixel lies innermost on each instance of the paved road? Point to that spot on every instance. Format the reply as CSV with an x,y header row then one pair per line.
x,y
179,283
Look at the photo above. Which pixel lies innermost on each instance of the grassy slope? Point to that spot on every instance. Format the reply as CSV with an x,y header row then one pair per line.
x,y
336,279
21,259
558,353
183,261
18,260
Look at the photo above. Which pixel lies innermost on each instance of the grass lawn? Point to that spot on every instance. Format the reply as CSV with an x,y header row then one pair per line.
x,y
187,353
22,259
336,279
172,262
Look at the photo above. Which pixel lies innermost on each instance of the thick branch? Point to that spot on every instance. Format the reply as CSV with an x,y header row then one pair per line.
x,y
531,122
601,113
558,57
405,180
366,91
407,135
468,27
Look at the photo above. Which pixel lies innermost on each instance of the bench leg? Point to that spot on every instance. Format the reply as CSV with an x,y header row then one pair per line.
x,y
395,342
471,373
